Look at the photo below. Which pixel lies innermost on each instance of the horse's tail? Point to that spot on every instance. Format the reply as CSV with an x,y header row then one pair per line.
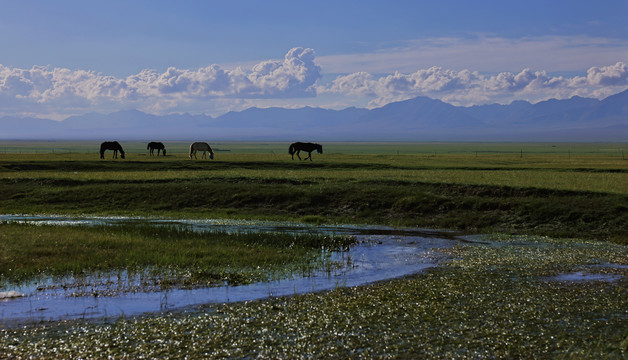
x,y
291,150
191,150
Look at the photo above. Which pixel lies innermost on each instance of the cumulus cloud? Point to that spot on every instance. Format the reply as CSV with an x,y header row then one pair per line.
x,y
467,87
45,87
288,82
614,75
292,77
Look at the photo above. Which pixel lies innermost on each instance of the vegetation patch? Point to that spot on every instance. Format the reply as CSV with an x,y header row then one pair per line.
x,y
494,299
161,256
498,297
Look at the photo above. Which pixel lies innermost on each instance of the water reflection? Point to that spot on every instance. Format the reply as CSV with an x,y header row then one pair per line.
x,y
382,253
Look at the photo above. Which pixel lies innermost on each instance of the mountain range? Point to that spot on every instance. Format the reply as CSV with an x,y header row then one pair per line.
x,y
418,119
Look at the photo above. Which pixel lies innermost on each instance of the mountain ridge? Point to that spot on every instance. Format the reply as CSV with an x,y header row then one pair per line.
x,y
417,119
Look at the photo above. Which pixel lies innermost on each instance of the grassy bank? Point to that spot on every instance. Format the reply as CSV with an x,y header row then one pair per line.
x,y
164,256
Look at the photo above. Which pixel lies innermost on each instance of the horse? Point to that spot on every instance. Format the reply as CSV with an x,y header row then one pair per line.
x,y
156,145
297,147
201,146
111,145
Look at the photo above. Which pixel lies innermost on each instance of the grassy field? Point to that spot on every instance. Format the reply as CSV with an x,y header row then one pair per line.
x,y
547,207
562,190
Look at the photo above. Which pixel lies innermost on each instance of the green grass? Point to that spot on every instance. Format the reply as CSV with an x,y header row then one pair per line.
x,y
488,301
138,148
29,252
546,194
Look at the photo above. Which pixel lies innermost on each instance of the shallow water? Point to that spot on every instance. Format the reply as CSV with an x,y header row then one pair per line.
x,y
382,253
583,276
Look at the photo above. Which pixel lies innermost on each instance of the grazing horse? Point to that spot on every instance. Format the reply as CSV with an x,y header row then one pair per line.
x,y
156,145
111,145
297,147
201,146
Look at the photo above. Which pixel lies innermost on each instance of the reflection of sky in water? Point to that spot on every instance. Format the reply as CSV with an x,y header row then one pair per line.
x,y
224,225
582,276
383,253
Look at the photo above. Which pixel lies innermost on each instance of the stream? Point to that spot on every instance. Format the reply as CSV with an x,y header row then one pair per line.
x,y
382,253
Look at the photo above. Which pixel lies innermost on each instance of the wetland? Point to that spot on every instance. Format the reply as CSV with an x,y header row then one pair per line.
x,y
534,264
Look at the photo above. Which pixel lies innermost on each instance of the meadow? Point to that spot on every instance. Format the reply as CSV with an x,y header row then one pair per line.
x,y
564,190
538,210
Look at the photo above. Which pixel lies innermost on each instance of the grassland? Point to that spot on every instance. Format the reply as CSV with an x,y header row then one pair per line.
x,y
548,206
563,190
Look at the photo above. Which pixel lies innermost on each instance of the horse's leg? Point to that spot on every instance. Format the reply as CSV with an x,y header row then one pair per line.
x,y
298,151
115,154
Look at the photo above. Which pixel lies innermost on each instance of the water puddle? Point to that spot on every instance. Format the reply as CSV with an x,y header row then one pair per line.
x,y
579,276
382,253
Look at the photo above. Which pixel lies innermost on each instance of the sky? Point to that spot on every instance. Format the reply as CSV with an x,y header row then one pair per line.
x,y
63,58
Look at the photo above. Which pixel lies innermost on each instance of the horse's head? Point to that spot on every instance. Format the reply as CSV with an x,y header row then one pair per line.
x,y
164,152
122,155
211,155
319,148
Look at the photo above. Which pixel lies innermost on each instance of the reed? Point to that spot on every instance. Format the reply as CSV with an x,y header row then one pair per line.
x,y
29,252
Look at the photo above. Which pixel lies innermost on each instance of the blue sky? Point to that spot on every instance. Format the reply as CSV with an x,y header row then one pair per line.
x,y
61,58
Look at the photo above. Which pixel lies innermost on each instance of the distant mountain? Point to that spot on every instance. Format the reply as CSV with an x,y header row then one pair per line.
x,y
27,128
612,109
418,119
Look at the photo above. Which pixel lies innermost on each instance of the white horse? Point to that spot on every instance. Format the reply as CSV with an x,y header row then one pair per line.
x,y
201,146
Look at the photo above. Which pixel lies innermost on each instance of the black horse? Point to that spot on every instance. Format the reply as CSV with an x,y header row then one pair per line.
x,y
156,145
297,147
111,145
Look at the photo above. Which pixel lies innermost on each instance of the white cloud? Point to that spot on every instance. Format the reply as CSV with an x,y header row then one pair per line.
x,y
288,82
467,87
82,91
614,75
292,77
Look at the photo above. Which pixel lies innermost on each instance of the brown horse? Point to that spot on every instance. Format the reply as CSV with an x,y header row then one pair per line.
x,y
111,145
297,147
156,145
201,146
